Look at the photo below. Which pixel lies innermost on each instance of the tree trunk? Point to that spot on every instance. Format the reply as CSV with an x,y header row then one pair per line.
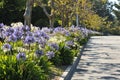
x,y
50,16
67,20
28,12
77,20
63,19
51,21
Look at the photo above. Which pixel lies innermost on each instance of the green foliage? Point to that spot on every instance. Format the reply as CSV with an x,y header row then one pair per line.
x,y
112,30
63,12
65,9
66,54
39,18
12,11
56,60
117,14
45,64
83,41
103,8
11,69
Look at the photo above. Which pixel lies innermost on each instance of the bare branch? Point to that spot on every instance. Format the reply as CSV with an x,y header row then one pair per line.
x,y
43,7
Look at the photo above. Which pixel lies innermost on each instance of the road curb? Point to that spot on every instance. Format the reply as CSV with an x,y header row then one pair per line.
x,y
67,74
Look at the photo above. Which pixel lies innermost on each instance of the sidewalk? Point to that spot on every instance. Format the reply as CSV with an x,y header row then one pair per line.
x,y
100,60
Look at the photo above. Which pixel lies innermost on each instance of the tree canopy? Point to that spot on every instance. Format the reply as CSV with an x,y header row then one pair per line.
x,y
92,14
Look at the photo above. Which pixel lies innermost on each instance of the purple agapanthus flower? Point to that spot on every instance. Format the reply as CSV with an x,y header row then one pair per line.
x,y
6,47
42,41
44,35
29,39
84,31
46,29
67,33
73,26
28,33
37,34
3,35
1,25
18,28
50,54
21,56
54,46
12,38
59,29
26,28
69,43
18,34
39,53
9,31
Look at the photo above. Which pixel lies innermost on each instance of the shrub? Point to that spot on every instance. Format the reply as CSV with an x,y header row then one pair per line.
x,y
12,69
83,41
45,65
56,60
66,54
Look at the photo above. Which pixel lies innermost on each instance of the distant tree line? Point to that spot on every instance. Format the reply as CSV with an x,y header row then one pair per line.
x,y
93,14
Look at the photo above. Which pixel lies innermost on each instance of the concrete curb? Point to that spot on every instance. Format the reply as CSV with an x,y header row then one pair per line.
x,y
70,69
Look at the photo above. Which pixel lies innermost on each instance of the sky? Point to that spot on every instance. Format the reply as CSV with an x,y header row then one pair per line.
x,y
114,1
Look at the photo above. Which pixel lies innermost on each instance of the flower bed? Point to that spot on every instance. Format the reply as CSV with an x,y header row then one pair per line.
x,y
31,54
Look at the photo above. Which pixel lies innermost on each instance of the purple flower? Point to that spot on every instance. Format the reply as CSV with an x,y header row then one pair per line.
x,y
84,31
18,29
12,38
73,26
46,29
6,47
50,54
54,46
59,29
39,53
42,42
69,43
20,56
67,33
18,34
29,39
1,25
37,34
29,33
9,31
3,35
26,28
44,35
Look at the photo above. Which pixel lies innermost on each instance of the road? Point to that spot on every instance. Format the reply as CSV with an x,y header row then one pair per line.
x,y
100,59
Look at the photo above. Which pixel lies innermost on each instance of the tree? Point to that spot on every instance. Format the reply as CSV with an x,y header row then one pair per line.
x,y
103,8
66,10
39,18
11,11
43,4
117,13
28,12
